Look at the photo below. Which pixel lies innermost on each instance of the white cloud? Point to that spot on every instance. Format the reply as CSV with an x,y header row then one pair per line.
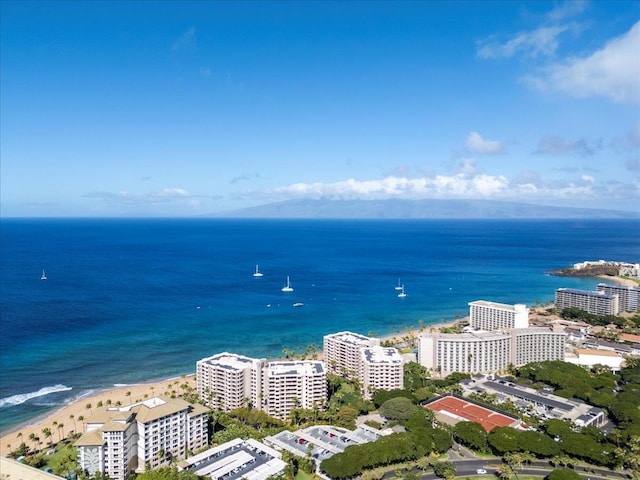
x,y
541,41
185,40
438,186
477,144
526,187
567,9
612,72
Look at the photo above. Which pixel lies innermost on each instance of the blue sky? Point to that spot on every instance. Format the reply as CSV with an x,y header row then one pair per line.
x,y
181,109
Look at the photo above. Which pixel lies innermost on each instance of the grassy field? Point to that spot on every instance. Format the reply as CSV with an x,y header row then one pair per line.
x,y
63,460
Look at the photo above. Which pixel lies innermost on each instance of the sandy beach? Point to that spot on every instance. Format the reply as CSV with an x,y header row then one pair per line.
x,y
626,282
70,416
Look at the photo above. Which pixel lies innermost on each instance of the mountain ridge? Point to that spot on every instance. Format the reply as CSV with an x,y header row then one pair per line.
x,y
407,209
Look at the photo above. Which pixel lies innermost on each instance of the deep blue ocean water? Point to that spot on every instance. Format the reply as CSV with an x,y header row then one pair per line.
x,y
129,300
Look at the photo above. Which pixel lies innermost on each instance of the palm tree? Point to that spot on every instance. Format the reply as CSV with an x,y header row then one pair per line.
x,y
60,427
88,407
47,433
73,417
505,472
32,437
128,394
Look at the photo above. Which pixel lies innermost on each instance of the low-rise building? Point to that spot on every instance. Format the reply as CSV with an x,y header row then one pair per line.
x,y
236,459
322,441
540,402
589,357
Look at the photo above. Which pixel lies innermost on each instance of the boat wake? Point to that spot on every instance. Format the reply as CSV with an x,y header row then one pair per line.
x,y
23,397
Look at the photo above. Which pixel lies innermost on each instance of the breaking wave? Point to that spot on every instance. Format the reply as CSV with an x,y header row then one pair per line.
x,y
23,397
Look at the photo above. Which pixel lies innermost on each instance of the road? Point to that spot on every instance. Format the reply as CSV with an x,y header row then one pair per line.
x,y
468,467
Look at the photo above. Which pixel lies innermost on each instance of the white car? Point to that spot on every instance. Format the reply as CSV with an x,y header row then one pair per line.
x,y
481,471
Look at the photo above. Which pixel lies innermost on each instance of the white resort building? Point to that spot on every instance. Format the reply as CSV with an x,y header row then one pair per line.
x,y
628,297
484,315
292,384
486,352
147,434
380,369
342,352
362,358
226,381
595,302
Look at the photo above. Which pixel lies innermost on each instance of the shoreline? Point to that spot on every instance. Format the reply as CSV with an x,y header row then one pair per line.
x,y
625,282
70,415
126,394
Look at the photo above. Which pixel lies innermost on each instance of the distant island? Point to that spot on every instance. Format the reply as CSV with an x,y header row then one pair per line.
x,y
415,209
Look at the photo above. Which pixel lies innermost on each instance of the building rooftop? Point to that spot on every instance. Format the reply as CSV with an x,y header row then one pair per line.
x,y
235,460
90,439
589,293
303,367
229,361
351,338
504,306
595,351
109,414
629,337
382,355
479,335
503,386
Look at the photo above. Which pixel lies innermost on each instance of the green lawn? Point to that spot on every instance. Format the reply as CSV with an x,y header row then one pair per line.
x,y
63,460
305,476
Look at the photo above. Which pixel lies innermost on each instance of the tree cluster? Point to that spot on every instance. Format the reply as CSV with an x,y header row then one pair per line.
x,y
398,447
575,314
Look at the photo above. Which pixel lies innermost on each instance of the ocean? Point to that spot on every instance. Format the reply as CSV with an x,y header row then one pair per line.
x,y
131,300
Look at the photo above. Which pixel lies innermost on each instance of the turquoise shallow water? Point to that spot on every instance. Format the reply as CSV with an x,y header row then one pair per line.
x,y
132,300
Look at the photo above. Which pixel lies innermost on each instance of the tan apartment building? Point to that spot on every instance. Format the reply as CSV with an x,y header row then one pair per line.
x,y
147,434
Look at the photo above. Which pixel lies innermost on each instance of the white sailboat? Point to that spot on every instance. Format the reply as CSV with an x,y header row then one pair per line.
x,y
399,286
257,272
287,287
43,276
402,294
